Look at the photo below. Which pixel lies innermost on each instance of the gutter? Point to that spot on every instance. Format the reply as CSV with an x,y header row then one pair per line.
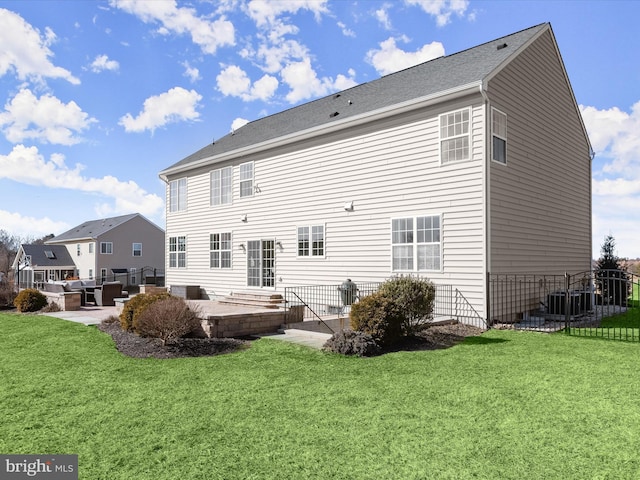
x,y
363,118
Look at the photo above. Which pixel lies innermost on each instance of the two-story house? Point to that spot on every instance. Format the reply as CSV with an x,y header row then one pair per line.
x,y
122,248
471,163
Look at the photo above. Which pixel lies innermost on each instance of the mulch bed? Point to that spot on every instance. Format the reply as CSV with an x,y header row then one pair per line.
x,y
135,346
132,345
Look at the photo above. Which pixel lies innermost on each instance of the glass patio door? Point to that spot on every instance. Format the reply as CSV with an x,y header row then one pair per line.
x,y
261,263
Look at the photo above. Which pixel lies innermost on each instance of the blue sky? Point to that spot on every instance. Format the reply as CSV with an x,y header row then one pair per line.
x,y
98,96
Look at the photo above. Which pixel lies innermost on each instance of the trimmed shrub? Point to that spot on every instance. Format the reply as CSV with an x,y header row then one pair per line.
x,y
414,298
378,316
30,300
349,342
167,319
134,308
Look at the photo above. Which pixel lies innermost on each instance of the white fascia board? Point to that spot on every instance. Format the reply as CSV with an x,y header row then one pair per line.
x,y
367,117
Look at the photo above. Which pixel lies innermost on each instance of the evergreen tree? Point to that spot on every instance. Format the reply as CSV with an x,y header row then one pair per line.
x,y
611,278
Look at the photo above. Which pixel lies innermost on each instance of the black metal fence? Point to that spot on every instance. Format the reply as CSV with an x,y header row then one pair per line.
x,y
322,302
603,303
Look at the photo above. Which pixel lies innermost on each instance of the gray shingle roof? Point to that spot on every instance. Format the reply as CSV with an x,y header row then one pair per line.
x,y
91,229
426,79
39,257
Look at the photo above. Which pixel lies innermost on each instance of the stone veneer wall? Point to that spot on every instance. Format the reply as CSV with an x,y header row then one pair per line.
x,y
219,326
67,301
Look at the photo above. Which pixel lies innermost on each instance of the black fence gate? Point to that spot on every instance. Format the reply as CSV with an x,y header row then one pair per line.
x,y
603,303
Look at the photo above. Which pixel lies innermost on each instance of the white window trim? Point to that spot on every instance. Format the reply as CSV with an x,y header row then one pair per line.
x,y
219,199
324,241
415,244
441,139
105,244
181,200
133,249
178,251
230,250
494,134
244,180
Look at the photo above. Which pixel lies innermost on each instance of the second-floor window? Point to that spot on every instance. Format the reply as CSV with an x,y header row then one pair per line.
x,y
178,195
78,250
91,247
246,179
454,136
137,249
221,186
106,248
499,136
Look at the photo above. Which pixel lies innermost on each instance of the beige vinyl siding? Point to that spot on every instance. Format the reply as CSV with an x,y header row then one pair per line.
x,y
390,169
540,201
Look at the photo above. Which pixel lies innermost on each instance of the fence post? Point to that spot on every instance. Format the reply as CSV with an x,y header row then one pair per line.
x,y
567,301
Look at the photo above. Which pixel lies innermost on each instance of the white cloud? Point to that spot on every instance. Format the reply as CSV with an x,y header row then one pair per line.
x,y
238,123
102,63
441,9
304,82
25,52
45,119
383,17
264,13
616,184
26,165
191,72
175,105
30,227
233,81
208,35
389,58
347,32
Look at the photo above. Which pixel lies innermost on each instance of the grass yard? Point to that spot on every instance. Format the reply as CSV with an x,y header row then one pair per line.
x,y
506,405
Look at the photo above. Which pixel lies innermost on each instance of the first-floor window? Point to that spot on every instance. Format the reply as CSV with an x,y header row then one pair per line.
x,y
103,275
132,272
106,248
311,241
220,250
178,252
416,243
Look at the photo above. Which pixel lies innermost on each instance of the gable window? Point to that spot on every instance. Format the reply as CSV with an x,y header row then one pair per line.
x,y
78,249
91,247
106,248
178,195
137,249
220,250
246,179
178,252
91,274
499,136
221,185
416,243
311,241
454,136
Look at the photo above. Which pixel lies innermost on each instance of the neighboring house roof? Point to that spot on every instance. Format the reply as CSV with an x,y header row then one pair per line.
x,y
47,256
93,229
433,79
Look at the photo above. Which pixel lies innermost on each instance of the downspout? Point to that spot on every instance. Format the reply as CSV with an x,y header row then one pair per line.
x,y
487,213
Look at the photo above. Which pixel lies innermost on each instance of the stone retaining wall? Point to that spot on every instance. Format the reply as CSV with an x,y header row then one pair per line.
x,y
67,301
219,326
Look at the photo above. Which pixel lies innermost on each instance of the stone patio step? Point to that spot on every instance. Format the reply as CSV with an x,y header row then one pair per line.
x,y
256,299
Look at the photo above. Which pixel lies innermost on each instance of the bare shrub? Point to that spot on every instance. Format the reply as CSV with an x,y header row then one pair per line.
x,y
134,308
348,342
7,294
167,319
51,307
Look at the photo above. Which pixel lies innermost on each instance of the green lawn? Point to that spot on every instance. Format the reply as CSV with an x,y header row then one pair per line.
x,y
506,405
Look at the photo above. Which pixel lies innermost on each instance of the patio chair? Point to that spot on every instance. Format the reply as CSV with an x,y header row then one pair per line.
x,y
105,293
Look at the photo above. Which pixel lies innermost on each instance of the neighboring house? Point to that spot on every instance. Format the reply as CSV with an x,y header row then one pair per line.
x,y
471,163
120,248
37,264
